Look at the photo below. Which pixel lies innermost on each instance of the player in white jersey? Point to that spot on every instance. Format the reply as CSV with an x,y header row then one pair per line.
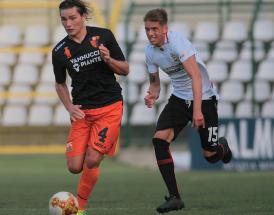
x,y
194,99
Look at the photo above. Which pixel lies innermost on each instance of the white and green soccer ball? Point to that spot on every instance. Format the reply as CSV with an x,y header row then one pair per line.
x,y
63,203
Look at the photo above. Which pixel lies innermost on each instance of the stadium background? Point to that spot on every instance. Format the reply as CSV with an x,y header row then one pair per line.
x,y
234,37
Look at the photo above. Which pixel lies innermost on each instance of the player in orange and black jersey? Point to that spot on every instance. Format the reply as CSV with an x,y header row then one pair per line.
x,y
91,56
93,82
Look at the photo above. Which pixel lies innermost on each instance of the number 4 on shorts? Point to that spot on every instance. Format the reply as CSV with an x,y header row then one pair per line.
x,y
103,134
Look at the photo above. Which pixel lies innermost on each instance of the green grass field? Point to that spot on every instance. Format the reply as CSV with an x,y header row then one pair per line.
x,y
28,181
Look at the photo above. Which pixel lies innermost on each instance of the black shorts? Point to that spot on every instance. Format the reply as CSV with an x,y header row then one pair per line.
x,y
178,113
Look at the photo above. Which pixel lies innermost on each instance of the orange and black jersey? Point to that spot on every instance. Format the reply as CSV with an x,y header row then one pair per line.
x,y
93,82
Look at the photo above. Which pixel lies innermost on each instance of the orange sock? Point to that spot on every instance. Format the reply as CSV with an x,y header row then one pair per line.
x,y
86,184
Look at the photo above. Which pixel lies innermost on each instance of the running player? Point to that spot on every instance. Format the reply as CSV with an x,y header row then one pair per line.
x,y
193,99
91,56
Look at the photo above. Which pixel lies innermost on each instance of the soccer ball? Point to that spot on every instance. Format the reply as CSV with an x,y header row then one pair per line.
x,y
63,203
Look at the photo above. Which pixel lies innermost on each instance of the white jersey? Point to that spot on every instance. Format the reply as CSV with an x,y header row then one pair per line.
x,y
170,57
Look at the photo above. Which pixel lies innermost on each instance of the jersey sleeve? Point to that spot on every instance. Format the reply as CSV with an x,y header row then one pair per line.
x,y
151,67
183,47
58,69
114,48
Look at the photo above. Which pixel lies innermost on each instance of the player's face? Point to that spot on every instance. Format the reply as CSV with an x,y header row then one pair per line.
x,y
73,21
156,33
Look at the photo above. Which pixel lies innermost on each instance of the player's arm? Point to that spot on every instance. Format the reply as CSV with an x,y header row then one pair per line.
x,y
153,90
62,89
193,70
119,67
113,55
74,110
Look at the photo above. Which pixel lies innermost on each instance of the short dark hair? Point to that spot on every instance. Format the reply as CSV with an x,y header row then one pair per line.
x,y
81,6
157,15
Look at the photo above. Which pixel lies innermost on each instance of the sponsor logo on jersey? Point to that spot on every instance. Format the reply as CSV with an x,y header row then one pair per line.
x,y
188,103
67,52
85,60
76,67
173,69
59,46
95,41
100,145
69,147
175,57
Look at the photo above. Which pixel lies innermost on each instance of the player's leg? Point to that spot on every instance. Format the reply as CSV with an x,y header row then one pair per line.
x,y
103,137
214,148
76,151
89,176
226,149
75,163
76,145
161,143
107,128
90,173
220,151
168,127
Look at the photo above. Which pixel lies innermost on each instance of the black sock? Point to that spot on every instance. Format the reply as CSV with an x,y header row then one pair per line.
x,y
166,165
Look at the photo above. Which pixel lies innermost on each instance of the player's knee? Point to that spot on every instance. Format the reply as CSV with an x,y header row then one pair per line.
x,y
75,169
93,163
166,135
75,166
212,158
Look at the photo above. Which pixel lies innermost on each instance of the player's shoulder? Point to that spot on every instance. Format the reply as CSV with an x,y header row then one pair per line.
x,y
62,43
98,30
175,35
177,39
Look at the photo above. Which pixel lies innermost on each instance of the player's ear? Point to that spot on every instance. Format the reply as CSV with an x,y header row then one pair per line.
x,y
165,27
85,17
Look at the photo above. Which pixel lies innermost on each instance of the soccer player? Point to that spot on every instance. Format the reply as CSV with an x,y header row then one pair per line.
x,y
194,99
91,56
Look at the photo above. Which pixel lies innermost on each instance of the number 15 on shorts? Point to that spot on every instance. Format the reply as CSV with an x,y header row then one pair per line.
x,y
212,134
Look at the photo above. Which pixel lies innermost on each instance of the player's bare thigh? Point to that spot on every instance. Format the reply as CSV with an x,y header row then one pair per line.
x,y
75,163
166,134
92,158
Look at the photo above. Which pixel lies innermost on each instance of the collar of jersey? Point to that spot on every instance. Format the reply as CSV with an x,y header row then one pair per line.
x,y
87,34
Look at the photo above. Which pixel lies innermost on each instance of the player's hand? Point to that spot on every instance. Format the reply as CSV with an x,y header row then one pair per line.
x,y
150,99
105,53
198,120
75,112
